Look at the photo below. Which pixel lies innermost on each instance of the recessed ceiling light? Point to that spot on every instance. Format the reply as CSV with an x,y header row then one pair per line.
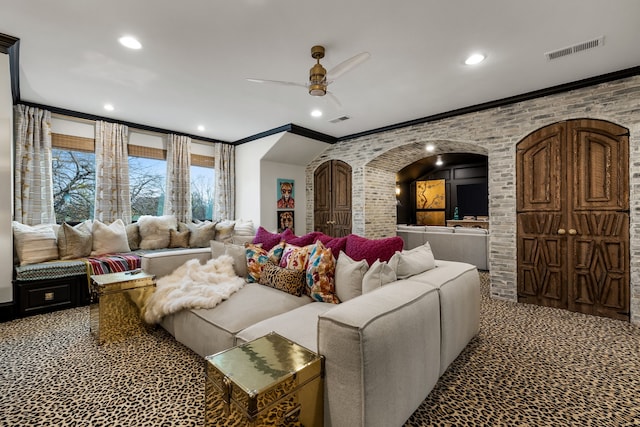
x,y
109,107
130,42
430,148
201,128
316,113
476,58
439,162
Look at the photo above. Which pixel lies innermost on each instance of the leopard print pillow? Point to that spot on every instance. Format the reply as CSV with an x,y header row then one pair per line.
x,y
283,279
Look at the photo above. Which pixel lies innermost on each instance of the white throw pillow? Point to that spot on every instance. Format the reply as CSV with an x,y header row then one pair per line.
x,y
412,262
154,230
379,274
110,238
236,252
244,228
34,244
348,277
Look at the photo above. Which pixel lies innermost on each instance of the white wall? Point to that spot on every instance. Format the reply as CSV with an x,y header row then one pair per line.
x,y
249,179
6,176
270,172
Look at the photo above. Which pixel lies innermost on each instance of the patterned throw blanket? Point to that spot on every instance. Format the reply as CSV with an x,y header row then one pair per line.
x,y
112,263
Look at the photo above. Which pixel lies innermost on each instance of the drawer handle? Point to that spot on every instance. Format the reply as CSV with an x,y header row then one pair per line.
x,y
293,415
49,296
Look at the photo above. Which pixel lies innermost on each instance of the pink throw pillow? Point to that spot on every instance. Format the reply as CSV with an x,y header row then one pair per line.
x,y
268,239
359,248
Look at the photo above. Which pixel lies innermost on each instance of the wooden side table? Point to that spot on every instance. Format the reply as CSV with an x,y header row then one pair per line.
x,y
270,381
116,299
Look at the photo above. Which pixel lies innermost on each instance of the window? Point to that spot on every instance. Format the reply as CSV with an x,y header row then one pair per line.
x,y
73,162
147,177
202,192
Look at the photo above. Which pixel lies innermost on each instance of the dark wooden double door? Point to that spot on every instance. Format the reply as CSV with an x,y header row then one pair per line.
x,y
332,198
573,218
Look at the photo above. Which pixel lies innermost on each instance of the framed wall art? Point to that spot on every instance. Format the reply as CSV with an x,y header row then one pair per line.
x,y
286,193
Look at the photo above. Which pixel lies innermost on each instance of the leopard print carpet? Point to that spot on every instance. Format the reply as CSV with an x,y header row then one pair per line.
x,y
529,366
536,366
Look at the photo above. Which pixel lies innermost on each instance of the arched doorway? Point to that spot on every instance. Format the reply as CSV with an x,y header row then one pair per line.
x,y
332,198
572,184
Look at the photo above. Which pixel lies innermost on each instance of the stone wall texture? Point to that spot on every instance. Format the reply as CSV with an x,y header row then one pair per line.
x,y
376,158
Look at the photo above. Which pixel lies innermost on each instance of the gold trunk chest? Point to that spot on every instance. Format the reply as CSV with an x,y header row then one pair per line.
x,y
116,299
270,381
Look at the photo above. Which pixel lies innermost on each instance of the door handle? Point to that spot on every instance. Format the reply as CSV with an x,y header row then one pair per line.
x,y
572,231
562,231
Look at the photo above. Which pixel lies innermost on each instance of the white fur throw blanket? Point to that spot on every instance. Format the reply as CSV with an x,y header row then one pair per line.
x,y
193,285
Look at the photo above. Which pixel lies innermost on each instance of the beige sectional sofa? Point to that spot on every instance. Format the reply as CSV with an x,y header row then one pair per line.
x,y
384,350
470,245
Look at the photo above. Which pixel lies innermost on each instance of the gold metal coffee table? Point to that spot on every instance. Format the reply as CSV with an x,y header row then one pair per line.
x,y
116,299
270,381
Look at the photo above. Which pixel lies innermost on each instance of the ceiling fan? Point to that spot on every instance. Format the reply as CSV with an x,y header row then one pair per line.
x,y
319,78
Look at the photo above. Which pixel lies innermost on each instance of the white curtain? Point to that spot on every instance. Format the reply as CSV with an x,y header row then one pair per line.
x,y
225,159
33,195
177,199
112,173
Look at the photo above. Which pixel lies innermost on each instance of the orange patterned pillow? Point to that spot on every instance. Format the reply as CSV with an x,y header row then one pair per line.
x,y
320,274
295,257
257,258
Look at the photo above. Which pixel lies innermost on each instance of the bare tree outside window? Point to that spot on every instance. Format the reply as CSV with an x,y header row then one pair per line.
x,y
146,186
73,185
202,192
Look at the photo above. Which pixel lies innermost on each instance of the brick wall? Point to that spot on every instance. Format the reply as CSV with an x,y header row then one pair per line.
x,y
376,158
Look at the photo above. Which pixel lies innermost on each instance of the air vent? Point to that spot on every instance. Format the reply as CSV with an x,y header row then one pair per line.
x,y
570,50
339,119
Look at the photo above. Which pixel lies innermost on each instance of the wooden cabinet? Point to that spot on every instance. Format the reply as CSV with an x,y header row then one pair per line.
x,y
42,296
573,218
332,198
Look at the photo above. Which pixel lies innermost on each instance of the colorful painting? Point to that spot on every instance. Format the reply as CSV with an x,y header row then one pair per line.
x,y
285,220
286,194
430,218
430,194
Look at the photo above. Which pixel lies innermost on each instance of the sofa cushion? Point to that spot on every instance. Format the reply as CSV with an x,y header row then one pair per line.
x,y
283,279
349,275
133,236
108,239
179,239
34,244
224,231
154,230
237,252
74,242
266,238
244,228
295,257
336,244
321,275
300,325
257,257
372,249
412,262
304,240
200,233
208,331
379,274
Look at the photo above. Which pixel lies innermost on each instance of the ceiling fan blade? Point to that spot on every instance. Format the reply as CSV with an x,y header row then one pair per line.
x,y
277,82
347,65
334,100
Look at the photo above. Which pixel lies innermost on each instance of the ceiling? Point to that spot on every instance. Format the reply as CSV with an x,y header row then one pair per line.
x,y
196,56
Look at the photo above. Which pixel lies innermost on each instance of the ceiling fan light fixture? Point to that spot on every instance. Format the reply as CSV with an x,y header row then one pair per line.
x,y
317,89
